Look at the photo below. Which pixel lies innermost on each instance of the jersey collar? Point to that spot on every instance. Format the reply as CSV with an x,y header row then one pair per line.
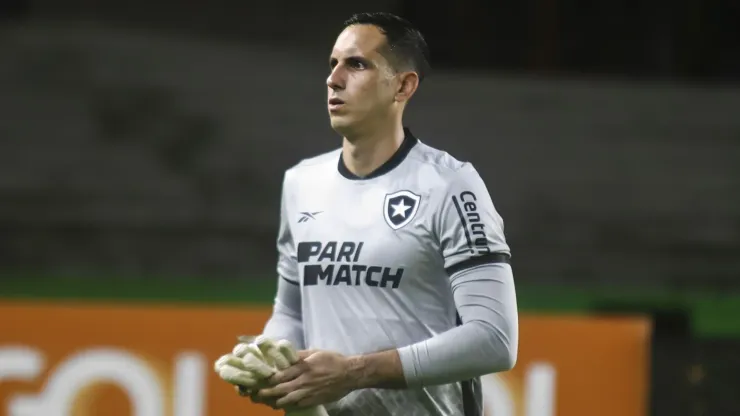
x,y
409,141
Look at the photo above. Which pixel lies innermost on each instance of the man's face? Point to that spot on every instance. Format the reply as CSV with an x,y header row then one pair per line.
x,y
361,85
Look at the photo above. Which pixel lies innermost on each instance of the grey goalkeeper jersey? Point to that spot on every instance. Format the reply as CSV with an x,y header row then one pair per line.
x,y
373,260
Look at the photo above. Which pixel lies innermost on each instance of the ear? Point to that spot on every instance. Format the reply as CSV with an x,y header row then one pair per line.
x,y
409,82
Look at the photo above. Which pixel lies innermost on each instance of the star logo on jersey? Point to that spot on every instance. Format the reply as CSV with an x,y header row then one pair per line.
x,y
400,208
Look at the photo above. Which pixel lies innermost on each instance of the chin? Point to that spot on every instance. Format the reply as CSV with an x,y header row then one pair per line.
x,y
340,124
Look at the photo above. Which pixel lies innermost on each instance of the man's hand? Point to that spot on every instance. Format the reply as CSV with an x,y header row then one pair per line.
x,y
253,361
319,377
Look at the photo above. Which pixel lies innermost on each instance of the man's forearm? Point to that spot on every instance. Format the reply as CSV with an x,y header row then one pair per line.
x,y
487,341
282,325
377,370
286,321
462,353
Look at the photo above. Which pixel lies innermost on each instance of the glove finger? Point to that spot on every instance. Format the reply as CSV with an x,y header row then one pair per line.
x,y
236,376
230,360
271,352
257,352
222,361
259,368
265,344
241,350
279,360
287,350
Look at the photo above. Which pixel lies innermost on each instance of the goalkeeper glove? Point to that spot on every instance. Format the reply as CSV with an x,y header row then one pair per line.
x,y
254,360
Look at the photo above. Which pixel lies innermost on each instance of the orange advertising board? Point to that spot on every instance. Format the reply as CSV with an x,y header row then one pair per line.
x,y
60,359
575,366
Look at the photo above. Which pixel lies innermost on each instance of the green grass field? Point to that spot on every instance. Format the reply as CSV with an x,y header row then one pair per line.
x,y
712,314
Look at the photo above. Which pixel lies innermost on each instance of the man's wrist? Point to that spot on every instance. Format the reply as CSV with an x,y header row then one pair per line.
x,y
377,370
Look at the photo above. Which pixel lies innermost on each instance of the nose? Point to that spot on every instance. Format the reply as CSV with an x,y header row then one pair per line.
x,y
335,81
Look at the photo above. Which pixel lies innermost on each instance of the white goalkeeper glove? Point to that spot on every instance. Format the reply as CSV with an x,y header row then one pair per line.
x,y
254,360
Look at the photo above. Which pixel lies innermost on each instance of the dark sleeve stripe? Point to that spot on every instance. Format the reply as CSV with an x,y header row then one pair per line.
x,y
292,282
490,258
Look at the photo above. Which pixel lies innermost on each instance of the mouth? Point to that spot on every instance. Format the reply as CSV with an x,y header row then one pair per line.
x,y
335,103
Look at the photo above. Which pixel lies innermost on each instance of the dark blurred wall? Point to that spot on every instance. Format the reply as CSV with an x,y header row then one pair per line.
x,y
681,39
138,153
275,21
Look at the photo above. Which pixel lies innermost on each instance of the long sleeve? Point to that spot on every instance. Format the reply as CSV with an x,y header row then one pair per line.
x,y
487,340
470,234
286,321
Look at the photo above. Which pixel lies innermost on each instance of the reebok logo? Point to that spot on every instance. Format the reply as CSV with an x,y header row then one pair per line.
x,y
305,216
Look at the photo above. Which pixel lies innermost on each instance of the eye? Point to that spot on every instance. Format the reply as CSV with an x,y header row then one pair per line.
x,y
332,63
356,63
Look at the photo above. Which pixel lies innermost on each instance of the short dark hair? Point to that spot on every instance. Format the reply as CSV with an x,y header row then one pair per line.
x,y
406,47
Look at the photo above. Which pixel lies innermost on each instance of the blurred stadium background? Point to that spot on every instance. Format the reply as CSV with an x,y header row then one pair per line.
x,y
142,146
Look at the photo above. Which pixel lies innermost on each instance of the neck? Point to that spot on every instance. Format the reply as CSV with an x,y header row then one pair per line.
x,y
363,154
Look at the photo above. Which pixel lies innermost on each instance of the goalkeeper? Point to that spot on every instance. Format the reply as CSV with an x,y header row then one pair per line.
x,y
394,275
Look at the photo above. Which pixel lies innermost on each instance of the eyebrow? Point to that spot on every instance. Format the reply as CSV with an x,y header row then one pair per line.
x,y
359,58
